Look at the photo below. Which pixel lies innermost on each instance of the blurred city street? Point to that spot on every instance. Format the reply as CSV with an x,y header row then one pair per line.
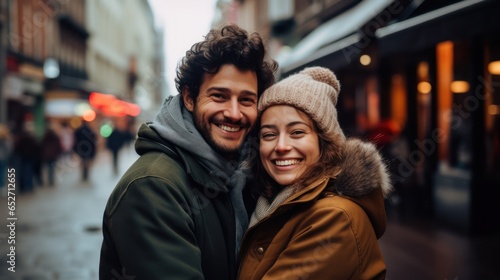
x,y
58,230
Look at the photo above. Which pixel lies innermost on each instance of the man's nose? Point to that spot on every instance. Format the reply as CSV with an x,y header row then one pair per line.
x,y
233,111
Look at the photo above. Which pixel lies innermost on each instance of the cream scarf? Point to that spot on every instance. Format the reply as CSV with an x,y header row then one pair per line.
x,y
264,207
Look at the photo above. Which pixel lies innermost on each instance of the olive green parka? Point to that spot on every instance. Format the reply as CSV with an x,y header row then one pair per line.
x,y
167,218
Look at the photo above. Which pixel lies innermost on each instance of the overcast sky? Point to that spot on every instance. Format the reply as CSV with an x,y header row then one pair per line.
x,y
185,22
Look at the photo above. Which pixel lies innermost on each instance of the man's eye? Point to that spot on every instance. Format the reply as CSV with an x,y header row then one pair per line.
x,y
218,96
248,101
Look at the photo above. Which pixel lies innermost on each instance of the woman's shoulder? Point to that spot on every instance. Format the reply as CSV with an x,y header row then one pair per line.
x,y
330,201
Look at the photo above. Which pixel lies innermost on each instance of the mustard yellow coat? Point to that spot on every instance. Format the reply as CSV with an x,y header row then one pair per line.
x,y
328,230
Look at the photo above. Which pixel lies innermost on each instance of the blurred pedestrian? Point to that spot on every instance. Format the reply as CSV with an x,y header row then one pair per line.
x,y
67,138
85,146
51,151
321,205
5,151
26,153
37,164
114,143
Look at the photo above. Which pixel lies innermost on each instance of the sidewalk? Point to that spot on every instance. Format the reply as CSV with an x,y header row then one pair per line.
x,y
58,230
416,249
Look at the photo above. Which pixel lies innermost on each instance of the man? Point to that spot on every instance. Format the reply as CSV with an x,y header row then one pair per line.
x,y
85,147
178,212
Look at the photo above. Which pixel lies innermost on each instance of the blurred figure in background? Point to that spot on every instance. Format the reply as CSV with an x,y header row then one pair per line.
x,y
5,149
85,147
37,163
51,151
114,143
26,153
67,139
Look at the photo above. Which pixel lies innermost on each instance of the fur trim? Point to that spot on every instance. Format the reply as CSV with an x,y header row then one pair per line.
x,y
363,170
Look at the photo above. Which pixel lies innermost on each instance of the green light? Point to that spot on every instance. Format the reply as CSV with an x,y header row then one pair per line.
x,y
106,130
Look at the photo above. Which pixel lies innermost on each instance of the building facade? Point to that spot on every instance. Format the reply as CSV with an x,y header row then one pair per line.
x,y
44,50
124,54
55,53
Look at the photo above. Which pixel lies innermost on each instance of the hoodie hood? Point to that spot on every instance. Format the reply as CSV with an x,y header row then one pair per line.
x,y
148,140
364,179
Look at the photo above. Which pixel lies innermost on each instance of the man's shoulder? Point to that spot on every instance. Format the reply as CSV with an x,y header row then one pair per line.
x,y
156,165
152,175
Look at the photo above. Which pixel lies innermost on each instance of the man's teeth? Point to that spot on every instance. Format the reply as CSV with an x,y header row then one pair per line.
x,y
230,129
287,162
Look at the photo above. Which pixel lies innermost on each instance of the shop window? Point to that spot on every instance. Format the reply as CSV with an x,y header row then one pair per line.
x,y
456,104
444,70
398,99
492,104
424,89
367,104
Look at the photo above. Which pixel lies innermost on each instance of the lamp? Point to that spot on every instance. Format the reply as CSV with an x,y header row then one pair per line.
x,y
459,86
365,60
494,67
424,87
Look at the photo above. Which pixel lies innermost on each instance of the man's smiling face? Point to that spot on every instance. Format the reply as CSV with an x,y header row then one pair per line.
x,y
225,110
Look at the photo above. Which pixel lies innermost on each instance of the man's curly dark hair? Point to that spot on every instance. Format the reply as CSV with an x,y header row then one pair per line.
x,y
228,45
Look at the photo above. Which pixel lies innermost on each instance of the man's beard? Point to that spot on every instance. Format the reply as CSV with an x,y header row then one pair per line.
x,y
223,150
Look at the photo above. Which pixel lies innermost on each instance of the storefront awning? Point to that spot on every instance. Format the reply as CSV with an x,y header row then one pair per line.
x,y
465,19
333,35
331,55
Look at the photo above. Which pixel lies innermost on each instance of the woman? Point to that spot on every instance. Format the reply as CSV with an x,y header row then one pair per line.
x,y
321,205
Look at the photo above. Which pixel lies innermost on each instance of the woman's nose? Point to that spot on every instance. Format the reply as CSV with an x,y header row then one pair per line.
x,y
282,145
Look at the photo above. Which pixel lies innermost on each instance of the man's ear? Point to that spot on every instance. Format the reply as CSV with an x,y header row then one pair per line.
x,y
188,101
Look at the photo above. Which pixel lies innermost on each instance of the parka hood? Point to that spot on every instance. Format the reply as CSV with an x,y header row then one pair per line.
x,y
365,180
363,170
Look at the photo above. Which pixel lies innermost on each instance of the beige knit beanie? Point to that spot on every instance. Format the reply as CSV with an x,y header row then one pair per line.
x,y
313,90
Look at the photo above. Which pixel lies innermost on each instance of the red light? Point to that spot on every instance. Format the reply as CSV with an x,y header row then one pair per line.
x,y
98,100
134,110
109,105
89,115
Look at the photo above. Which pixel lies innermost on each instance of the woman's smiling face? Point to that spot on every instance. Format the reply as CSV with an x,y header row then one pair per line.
x,y
289,143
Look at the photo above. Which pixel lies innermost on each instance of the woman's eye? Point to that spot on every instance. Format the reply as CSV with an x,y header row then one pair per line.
x,y
297,133
267,135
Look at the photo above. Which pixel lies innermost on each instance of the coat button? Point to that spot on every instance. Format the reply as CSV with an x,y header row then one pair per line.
x,y
260,250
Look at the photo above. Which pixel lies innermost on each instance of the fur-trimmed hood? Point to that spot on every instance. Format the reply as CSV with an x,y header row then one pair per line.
x,y
365,180
363,170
